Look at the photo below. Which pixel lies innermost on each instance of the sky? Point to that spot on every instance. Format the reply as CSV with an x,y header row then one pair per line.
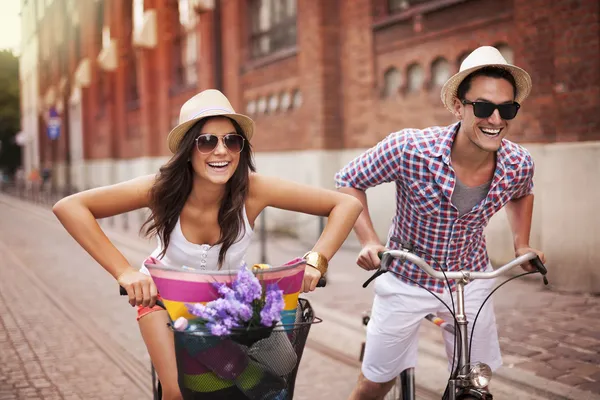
x,y
10,25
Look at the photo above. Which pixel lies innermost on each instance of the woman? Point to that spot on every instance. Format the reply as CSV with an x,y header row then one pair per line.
x,y
203,204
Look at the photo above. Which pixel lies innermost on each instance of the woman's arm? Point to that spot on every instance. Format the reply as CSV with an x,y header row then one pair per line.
x,y
78,214
342,209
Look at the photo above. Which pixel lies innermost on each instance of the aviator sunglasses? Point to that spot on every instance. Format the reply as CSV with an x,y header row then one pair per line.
x,y
207,143
483,109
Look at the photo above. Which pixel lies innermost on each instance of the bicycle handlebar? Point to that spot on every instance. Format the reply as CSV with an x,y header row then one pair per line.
x,y
405,255
322,283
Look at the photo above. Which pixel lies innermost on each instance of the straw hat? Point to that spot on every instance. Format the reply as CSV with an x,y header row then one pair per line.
x,y
208,103
485,56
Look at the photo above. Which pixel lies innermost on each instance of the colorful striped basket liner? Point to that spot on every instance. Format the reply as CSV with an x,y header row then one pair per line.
x,y
178,286
212,368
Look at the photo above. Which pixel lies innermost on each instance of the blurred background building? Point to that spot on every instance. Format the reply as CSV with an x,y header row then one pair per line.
x,y
102,82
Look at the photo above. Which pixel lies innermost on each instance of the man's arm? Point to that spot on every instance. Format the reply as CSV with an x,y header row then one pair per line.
x,y
364,226
519,211
378,165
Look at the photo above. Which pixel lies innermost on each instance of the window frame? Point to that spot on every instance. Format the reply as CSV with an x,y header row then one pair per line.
x,y
281,34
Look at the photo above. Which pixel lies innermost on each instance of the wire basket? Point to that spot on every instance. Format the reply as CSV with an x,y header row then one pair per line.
x,y
259,363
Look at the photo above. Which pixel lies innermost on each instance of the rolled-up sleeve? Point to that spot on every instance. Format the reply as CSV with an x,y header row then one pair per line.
x,y
526,172
377,165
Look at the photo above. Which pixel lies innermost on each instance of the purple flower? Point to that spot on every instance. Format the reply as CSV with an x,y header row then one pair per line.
x,y
274,303
218,329
241,304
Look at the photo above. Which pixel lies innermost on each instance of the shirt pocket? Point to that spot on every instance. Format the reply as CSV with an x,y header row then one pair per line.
x,y
424,198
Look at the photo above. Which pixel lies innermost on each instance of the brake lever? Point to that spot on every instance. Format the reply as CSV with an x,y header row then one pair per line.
x,y
537,263
377,273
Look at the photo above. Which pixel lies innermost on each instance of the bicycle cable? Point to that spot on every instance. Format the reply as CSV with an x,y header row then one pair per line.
x,y
487,298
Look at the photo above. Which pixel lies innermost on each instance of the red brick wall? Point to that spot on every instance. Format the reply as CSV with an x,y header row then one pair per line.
x,y
343,50
559,44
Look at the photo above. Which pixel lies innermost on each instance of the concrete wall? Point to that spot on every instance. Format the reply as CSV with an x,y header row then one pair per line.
x,y
566,222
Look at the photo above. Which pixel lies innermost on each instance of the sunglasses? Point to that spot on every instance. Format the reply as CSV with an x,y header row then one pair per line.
x,y
207,143
483,109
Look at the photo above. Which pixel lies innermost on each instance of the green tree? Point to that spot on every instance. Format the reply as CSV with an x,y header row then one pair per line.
x,y
10,113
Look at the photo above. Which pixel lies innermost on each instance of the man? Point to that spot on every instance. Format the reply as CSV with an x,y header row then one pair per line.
x,y
449,182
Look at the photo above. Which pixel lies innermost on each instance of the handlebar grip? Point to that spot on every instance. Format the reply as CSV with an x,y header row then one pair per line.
x,y
380,255
122,291
537,263
322,282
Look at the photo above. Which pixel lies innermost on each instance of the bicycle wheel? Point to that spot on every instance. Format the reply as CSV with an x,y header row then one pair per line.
x,y
395,392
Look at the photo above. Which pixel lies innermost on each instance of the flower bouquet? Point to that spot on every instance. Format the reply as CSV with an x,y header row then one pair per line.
x,y
246,310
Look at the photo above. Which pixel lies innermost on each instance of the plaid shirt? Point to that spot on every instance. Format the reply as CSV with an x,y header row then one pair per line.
x,y
419,162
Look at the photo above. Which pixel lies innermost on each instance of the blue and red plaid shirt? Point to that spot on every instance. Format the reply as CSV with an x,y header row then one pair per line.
x,y
419,162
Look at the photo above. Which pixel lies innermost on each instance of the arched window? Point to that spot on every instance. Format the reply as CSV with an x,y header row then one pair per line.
x,y
392,80
414,78
440,72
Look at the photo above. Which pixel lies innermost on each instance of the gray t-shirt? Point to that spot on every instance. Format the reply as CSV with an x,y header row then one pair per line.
x,y
464,198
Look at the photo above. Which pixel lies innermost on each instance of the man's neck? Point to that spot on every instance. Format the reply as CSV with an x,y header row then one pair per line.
x,y
468,155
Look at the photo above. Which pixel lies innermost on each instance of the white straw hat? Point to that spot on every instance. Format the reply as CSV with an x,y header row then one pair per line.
x,y
485,56
208,103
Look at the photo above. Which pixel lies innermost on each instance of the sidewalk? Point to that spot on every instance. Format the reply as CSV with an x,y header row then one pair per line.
x,y
550,341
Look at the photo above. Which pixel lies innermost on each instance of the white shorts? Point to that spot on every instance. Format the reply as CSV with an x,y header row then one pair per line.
x,y
398,310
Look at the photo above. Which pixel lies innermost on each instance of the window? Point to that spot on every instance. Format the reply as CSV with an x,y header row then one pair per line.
x,y
185,46
99,25
131,85
391,82
415,77
401,5
440,72
273,26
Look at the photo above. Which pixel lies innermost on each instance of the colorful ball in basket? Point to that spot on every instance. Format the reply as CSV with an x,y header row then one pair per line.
x,y
178,286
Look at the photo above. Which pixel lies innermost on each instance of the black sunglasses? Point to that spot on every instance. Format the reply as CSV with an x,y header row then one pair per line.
x,y
207,143
483,109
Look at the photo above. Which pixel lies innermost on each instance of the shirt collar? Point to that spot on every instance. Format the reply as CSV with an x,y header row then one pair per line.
x,y
443,147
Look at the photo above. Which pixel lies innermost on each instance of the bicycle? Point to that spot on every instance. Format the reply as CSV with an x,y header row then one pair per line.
x,y
467,381
256,352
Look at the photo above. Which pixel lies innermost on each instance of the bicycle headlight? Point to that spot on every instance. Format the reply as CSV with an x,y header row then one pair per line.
x,y
480,375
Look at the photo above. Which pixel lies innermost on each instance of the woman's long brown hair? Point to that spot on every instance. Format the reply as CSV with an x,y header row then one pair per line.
x,y
174,184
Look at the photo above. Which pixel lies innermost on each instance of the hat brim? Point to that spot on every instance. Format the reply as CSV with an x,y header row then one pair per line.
x,y
522,81
174,138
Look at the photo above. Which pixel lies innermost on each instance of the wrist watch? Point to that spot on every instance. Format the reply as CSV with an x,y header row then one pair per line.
x,y
317,260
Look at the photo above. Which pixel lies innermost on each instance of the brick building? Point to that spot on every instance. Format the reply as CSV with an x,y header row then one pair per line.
x,y
323,80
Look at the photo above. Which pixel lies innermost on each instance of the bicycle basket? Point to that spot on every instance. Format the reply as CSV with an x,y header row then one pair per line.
x,y
256,364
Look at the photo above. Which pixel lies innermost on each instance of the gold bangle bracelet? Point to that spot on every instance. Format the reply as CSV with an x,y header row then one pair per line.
x,y
317,260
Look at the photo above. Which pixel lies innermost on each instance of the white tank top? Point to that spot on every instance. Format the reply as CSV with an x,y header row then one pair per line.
x,y
181,252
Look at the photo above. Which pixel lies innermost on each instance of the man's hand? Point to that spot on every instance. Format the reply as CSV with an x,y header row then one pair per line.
x,y
528,266
311,278
368,258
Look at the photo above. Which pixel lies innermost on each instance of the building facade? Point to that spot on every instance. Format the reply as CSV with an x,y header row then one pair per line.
x,y
323,80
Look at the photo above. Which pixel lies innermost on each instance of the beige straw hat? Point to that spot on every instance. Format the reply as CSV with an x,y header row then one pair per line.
x,y
208,103
485,56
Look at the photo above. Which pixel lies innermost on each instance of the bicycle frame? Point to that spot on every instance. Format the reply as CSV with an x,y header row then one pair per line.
x,y
460,385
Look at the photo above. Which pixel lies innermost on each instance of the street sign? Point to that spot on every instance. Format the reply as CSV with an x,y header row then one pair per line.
x,y
54,124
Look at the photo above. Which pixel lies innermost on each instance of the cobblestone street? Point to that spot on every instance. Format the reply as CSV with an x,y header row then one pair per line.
x,y
66,334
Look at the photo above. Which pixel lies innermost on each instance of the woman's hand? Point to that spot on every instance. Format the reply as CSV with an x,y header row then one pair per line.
x,y
311,278
140,288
